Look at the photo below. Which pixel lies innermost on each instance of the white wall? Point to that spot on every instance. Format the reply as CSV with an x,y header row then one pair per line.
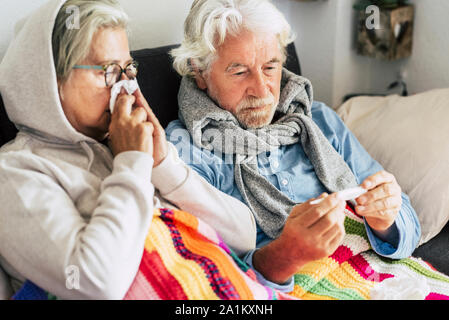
x,y
314,24
10,12
428,67
153,22
156,23
326,47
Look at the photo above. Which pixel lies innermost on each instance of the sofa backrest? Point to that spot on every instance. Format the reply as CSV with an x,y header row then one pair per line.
x,y
158,81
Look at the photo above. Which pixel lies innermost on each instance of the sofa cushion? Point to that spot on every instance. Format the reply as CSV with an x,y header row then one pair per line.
x,y
408,136
159,82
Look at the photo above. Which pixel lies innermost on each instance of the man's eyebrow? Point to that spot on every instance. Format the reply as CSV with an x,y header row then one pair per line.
x,y
274,60
235,65
241,65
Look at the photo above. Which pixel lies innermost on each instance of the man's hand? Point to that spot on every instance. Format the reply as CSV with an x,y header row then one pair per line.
x,y
129,129
311,232
160,147
381,204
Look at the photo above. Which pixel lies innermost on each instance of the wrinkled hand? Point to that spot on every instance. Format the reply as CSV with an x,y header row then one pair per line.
x,y
129,129
381,204
160,146
311,232
315,230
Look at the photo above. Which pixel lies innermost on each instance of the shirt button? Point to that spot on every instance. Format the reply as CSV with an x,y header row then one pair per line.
x,y
275,164
284,182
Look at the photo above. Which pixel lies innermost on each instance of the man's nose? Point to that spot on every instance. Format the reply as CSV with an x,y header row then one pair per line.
x,y
258,87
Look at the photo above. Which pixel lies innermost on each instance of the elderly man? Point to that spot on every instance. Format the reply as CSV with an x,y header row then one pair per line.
x,y
251,129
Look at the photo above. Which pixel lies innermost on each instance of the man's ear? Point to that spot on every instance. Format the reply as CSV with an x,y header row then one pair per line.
x,y
199,76
200,81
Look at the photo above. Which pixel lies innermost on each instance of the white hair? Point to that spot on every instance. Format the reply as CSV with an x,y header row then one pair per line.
x,y
72,44
210,21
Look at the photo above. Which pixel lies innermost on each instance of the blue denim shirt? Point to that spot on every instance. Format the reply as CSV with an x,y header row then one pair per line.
x,y
289,169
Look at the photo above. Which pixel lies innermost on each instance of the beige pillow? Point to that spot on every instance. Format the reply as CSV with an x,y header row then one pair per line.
x,y
409,137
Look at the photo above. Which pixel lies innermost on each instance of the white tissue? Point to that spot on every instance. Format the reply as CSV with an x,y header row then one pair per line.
x,y
130,86
350,194
401,288
347,195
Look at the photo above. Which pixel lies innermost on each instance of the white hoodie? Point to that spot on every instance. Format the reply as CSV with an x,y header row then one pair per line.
x,y
67,204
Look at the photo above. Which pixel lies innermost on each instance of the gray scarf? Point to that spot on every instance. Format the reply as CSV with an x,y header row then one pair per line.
x,y
216,129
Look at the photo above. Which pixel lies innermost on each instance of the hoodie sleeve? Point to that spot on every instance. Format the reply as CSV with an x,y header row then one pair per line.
x,y
45,238
182,186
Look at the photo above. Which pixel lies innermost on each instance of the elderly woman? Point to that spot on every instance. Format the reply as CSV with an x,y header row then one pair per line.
x,y
78,185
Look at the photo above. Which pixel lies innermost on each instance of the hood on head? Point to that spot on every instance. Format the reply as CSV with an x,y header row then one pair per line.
x,y
28,83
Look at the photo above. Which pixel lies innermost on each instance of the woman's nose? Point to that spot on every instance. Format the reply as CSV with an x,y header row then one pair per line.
x,y
123,76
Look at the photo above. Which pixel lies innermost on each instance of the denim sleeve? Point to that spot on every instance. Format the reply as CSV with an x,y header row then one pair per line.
x,y
202,161
405,233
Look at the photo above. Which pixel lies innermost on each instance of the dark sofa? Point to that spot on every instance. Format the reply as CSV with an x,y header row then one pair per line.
x,y
159,83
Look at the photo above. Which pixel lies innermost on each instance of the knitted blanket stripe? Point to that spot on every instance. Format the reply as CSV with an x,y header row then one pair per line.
x,y
354,269
30,291
184,259
194,263
194,252
178,265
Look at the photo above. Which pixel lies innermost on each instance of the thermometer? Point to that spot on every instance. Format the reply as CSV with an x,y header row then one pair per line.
x,y
347,195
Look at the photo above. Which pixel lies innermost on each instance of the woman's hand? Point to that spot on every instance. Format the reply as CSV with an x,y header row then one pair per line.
x,y
160,146
381,204
129,129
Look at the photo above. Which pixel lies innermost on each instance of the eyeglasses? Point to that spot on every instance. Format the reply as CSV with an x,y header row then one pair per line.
x,y
113,71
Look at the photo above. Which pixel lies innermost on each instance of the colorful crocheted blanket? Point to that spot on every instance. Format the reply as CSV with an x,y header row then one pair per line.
x,y
185,259
355,271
